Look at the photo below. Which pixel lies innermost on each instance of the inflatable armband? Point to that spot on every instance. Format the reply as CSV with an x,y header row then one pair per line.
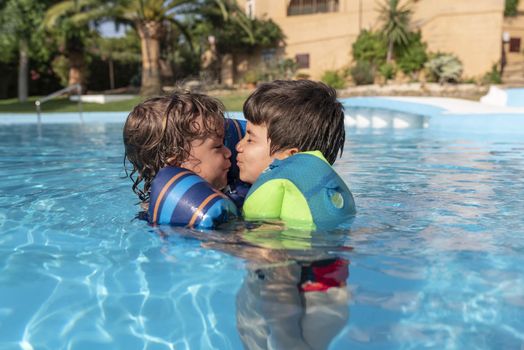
x,y
180,197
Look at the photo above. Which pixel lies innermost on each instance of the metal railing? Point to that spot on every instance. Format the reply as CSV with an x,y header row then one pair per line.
x,y
75,87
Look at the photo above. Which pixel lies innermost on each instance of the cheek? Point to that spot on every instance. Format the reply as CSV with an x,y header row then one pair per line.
x,y
260,160
257,152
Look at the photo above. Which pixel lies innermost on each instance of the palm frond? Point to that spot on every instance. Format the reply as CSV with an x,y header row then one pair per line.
x,y
222,7
54,13
184,31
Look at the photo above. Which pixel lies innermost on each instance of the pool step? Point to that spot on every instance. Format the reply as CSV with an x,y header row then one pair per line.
x,y
375,118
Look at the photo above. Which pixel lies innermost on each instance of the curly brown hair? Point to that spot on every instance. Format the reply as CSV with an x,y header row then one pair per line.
x,y
158,133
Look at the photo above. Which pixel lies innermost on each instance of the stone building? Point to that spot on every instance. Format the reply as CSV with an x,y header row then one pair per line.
x,y
319,33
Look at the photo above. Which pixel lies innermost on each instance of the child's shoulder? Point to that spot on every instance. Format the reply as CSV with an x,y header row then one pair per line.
x,y
304,168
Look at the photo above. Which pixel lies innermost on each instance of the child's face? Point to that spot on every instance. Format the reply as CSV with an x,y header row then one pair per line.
x,y
209,158
254,153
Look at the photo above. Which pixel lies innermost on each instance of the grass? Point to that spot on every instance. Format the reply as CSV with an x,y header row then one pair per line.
x,y
62,104
232,101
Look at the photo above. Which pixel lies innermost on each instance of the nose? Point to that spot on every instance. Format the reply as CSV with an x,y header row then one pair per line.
x,y
240,146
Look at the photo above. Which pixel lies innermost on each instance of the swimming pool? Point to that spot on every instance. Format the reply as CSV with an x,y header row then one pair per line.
x,y
435,252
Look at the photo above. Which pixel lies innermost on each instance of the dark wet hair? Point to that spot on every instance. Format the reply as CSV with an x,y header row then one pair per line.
x,y
158,133
299,113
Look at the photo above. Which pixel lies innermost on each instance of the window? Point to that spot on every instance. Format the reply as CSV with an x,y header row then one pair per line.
x,y
302,60
305,7
514,45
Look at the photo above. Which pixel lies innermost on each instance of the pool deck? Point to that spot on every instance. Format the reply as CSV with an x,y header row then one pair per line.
x,y
64,118
436,112
432,106
74,117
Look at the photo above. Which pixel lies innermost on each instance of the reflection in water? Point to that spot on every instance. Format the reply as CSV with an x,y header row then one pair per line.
x,y
293,305
294,294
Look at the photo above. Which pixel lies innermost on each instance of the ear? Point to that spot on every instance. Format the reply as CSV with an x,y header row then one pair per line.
x,y
286,153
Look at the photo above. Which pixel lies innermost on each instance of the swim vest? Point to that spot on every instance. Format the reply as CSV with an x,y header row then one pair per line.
x,y
303,190
180,197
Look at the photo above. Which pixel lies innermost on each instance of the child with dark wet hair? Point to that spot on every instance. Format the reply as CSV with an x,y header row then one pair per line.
x,y
294,133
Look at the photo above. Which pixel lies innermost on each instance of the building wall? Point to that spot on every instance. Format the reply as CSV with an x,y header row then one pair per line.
x,y
473,33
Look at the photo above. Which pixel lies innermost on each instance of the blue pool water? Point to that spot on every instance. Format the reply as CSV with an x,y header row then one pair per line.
x,y
435,253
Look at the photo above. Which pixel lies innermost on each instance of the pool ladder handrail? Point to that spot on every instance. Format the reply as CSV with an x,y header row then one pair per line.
x,y
74,87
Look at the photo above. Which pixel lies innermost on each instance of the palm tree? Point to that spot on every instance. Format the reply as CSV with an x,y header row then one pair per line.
x,y
19,22
68,21
395,24
149,18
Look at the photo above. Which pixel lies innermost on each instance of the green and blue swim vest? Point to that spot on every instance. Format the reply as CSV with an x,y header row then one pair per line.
x,y
303,190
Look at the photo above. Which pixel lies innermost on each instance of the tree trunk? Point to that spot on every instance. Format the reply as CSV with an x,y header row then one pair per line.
x,y
111,74
76,68
390,51
166,72
227,73
150,33
22,71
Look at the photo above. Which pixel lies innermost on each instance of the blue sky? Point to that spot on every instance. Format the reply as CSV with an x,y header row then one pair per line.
x,y
107,29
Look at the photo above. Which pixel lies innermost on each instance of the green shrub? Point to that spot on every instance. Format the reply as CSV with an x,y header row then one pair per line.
x,y
333,79
265,74
231,36
468,80
412,57
444,68
493,76
60,66
287,68
388,71
511,8
370,47
251,77
302,76
362,73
